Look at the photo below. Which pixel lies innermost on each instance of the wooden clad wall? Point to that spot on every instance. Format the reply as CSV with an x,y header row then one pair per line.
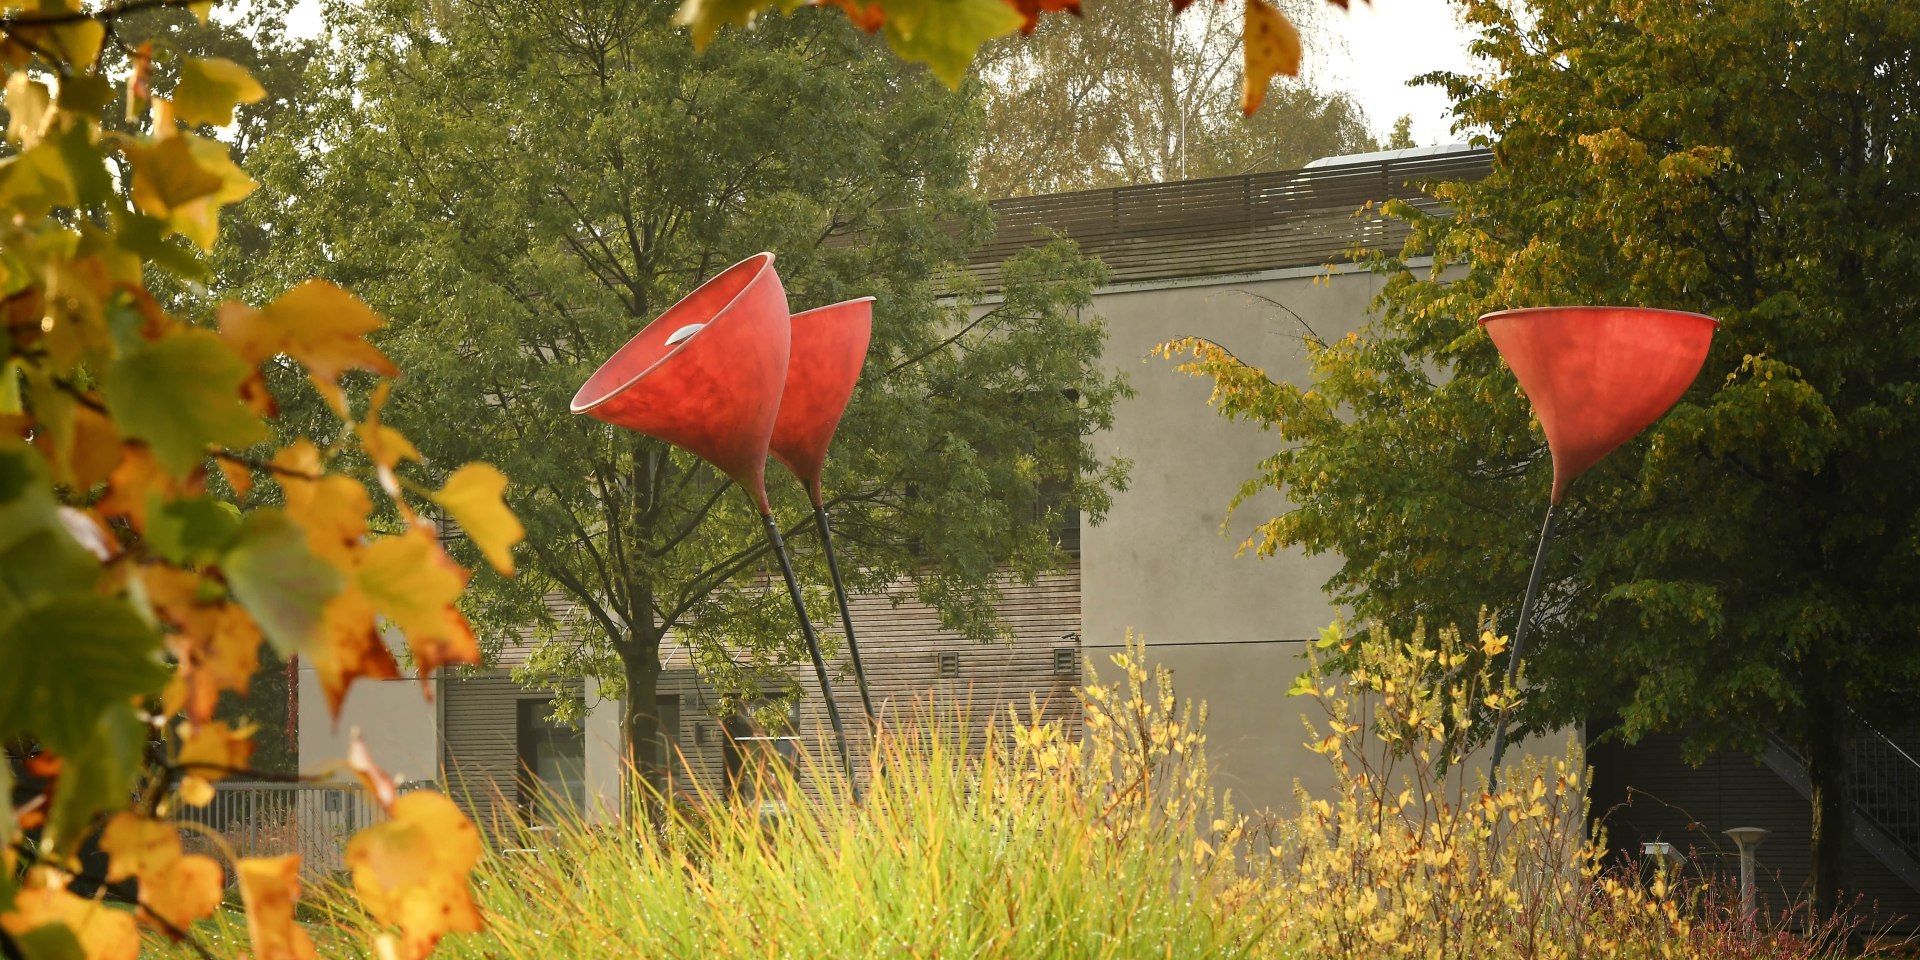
x,y
900,645
481,748
1223,225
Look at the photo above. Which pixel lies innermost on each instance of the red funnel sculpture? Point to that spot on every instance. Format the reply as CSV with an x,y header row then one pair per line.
x,y
829,348
1596,376
705,376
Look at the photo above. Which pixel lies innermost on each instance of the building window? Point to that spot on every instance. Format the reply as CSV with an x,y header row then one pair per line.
x,y
949,664
553,762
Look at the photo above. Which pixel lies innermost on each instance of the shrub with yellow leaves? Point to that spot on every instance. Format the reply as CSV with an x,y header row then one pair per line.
x,y
1418,852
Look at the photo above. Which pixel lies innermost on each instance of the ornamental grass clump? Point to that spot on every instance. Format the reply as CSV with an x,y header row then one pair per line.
x,y
1019,842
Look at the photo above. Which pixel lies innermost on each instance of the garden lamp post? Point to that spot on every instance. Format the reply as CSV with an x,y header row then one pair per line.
x,y
1748,840
829,348
1596,377
706,376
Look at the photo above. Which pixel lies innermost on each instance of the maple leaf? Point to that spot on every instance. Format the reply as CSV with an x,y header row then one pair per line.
x,y
137,846
1032,9
215,643
350,647
473,497
210,88
43,909
210,752
316,323
176,888
378,781
412,871
946,34
413,583
268,888
1272,49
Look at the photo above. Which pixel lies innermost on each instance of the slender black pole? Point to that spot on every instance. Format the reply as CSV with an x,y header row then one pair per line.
x,y
846,618
813,647
1520,632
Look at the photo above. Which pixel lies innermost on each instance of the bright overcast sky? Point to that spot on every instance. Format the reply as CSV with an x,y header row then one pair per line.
x,y
1388,43
1378,48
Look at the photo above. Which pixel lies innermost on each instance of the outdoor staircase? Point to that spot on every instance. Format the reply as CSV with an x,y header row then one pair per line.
x,y
1884,784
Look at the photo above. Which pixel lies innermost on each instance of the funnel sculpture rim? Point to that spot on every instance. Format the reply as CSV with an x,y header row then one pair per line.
x,y
753,266
1594,308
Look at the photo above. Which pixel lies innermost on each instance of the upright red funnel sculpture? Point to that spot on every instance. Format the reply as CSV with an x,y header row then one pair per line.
x,y
829,348
706,375
1597,376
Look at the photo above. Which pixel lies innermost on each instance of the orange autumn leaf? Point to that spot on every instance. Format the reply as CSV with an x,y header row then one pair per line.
x,y
316,323
867,16
473,497
137,846
1031,10
138,477
350,647
378,781
412,871
210,752
1272,49
268,888
412,582
333,511
103,932
215,644
185,890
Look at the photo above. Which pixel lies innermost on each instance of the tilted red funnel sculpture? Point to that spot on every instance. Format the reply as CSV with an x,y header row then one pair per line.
x,y
1596,377
829,348
707,376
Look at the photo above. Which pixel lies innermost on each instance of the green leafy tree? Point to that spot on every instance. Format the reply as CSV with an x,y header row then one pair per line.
x,y
1137,93
1746,568
524,186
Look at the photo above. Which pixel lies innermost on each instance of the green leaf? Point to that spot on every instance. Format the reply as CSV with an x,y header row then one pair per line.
x,y
210,88
148,237
35,182
97,776
279,580
52,941
180,394
945,34
86,169
87,93
64,661
192,531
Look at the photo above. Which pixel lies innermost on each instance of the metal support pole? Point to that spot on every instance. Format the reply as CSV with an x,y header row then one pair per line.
x,y
813,647
1520,633
846,619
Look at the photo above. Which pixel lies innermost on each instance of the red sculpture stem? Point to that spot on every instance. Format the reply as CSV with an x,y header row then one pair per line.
x,y
813,648
1520,634
846,617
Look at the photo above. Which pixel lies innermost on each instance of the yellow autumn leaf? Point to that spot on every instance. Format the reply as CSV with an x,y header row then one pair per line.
x,y
103,933
704,18
350,647
138,846
473,498
1272,49
316,323
412,582
185,890
268,888
210,88
211,751
412,871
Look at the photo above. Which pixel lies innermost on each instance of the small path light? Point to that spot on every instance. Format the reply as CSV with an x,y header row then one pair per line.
x,y
1748,840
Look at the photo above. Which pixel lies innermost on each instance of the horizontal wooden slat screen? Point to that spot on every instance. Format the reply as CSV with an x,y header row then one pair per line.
x,y
1225,225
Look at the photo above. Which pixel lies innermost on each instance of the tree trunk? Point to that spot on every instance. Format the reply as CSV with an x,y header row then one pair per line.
x,y
1827,746
640,713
